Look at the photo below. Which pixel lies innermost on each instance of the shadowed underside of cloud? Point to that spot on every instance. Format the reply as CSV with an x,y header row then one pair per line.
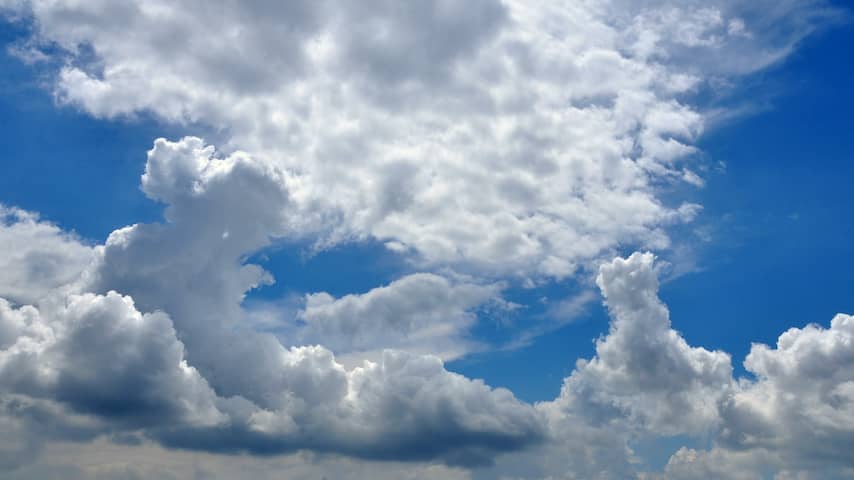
x,y
484,142
82,366
98,358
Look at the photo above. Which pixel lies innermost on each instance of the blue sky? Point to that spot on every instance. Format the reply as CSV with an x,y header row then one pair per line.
x,y
769,249
779,213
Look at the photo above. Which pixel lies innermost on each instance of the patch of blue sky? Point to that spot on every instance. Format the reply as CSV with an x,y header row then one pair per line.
x,y
76,171
780,221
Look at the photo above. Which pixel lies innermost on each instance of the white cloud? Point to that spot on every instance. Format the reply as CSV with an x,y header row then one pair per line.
x,y
506,138
645,382
99,356
690,464
644,372
516,139
70,364
97,365
37,256
564,117
801,404
422,312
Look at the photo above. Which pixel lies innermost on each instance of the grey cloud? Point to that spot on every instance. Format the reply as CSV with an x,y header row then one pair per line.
x,y
151,461
119,370
100,356
405,407
408,407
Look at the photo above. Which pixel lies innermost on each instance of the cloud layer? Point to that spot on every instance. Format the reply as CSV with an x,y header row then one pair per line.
x,y
383,118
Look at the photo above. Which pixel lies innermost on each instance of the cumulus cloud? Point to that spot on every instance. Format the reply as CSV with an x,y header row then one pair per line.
x,y
80,366
225,387
72,360
646,382
119,370
101,359
690,464
37,256
801,404
480,141
567,118
419,312
98,354
644,371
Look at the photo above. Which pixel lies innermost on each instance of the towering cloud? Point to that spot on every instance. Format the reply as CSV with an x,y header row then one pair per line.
x,y
225,387
644,371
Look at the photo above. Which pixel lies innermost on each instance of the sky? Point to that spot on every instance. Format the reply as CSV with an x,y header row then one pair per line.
x,y
499,240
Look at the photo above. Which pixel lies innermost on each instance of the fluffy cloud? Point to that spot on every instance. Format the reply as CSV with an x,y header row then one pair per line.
x,y
646,382
98,354
497,139
95,354
80,366
121,370
420,312
801,404
404,407
751,464
37,256
67,362
644,371
567,118
690,464
124,371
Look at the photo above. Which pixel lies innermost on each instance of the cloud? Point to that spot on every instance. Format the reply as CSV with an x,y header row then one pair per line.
x,y
567,118
690,464
66,367
75,460
100,356
420,312
801,404
644,371
646,382
405,407
118,370
225,387
37,256
480,141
